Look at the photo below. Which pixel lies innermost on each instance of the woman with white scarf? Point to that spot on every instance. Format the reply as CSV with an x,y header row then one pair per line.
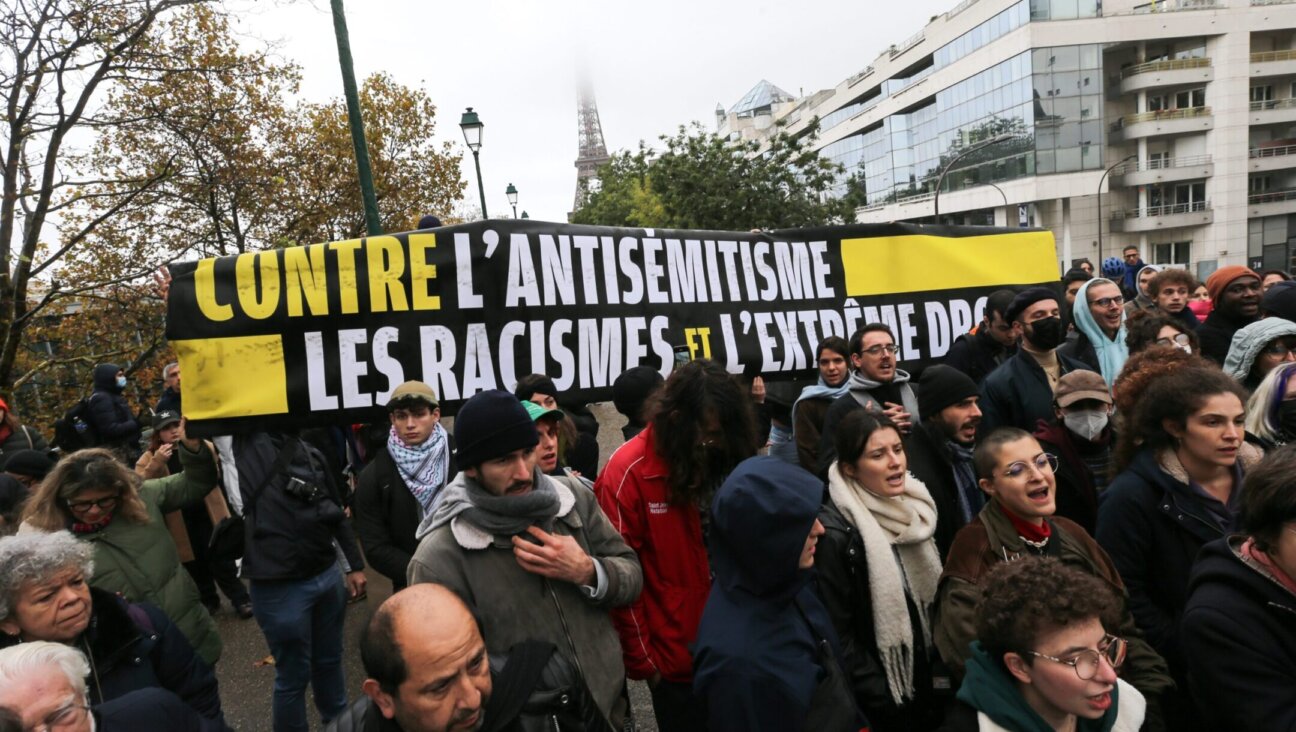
x,y
878,571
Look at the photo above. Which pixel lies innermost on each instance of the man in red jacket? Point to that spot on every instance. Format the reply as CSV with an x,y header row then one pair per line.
x,y
657,491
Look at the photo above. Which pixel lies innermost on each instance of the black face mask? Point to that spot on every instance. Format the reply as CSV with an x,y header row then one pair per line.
x,y
1046,333
1287,419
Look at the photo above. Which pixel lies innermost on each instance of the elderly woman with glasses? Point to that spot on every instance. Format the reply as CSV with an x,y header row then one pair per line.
x,y
1018,522
1237,631
102,502
45,595
1045,657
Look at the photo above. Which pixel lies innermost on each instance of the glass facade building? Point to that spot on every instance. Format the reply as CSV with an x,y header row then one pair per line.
x,y
1049,100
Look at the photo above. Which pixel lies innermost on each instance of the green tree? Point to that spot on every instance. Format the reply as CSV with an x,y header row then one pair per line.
x,y
703,181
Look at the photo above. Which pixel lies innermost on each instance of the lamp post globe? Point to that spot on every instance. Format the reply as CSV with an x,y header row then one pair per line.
x,y
512,194
472,128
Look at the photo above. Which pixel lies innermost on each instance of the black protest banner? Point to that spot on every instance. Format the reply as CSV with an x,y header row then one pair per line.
x,y
324,333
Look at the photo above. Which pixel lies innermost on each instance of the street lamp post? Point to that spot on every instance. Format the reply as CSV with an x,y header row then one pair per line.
x,y
472,132
941,179
1102,180
511,192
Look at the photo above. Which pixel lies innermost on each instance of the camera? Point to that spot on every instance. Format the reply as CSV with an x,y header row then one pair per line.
x,y
299,488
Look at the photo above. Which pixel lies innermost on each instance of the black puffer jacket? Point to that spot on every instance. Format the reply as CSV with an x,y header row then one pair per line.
x,y
110,414
1238,635
133,647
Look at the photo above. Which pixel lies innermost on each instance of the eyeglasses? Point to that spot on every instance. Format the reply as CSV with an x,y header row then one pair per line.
x,y
1086,662
890,348
1106,302
1180,339
1280,348
103,504
64,717
1043,462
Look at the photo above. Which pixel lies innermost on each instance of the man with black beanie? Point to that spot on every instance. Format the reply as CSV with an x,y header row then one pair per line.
x,y
940,449
630,394
1019,392
535,553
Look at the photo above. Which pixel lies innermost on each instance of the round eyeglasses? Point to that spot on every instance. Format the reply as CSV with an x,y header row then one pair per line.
x,y
1086,662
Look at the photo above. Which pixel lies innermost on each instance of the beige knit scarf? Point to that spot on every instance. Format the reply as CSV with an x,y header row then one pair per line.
x,y
897,535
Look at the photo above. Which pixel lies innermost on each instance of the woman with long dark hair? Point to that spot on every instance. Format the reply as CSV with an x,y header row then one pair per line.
x,y
878,571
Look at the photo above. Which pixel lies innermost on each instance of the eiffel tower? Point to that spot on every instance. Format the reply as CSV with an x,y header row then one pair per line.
x,y
591,151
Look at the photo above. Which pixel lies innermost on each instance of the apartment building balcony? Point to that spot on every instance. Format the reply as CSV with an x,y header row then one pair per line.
x,y
1174,6
1162,170
1273,111
1276,157
1161,122
1155,218
1272,203
1273,63
1169,72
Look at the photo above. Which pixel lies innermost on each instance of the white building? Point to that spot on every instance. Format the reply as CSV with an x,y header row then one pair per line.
x,y
1190,104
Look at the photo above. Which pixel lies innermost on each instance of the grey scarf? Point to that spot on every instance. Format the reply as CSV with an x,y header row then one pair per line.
x,y
497,515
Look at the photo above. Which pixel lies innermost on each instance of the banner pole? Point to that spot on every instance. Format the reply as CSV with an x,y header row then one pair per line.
x,y
372,223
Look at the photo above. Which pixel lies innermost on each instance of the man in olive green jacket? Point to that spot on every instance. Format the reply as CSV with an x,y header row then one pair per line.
x,y
533,555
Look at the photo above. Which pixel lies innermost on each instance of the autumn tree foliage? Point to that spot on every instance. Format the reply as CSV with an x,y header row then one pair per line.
x,y
141,132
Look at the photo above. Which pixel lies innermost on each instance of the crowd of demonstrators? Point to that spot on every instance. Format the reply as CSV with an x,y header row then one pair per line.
x,y
404,480
511,537
878,570
192,524
1271,410
1046,655
994,341
914,553
1019,393
875,383
46,595
763,547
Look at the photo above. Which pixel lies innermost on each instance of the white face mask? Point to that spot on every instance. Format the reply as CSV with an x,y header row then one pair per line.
x,y
1086,424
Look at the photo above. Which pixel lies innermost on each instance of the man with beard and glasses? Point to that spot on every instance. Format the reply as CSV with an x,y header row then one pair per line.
x,y
438,677
404,481
940,449
657,490
874,384
1020,392
534,553
1235,292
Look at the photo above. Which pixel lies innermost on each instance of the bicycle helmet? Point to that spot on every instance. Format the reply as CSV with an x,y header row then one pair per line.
x,y
1113,267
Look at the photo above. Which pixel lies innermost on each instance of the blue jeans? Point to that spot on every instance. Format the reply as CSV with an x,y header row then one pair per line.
x,y
302,621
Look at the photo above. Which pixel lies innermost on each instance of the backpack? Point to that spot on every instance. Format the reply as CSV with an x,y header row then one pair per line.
x,y
73,430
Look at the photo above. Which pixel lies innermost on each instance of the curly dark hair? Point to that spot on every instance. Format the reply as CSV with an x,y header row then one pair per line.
x,y
1172,396
1142,327
1025,598
1146,367
695,391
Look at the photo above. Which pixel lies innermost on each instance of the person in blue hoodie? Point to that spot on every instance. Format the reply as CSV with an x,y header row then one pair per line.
x,y
110,414
766,656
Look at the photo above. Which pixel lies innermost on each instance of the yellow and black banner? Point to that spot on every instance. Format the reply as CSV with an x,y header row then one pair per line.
x,y
324,333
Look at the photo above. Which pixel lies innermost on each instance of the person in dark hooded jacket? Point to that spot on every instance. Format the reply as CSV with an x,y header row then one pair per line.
x,y
1238,630
110,414
766,656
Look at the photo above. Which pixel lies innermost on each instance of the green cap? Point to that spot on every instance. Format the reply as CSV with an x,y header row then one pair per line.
x,y
538,412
